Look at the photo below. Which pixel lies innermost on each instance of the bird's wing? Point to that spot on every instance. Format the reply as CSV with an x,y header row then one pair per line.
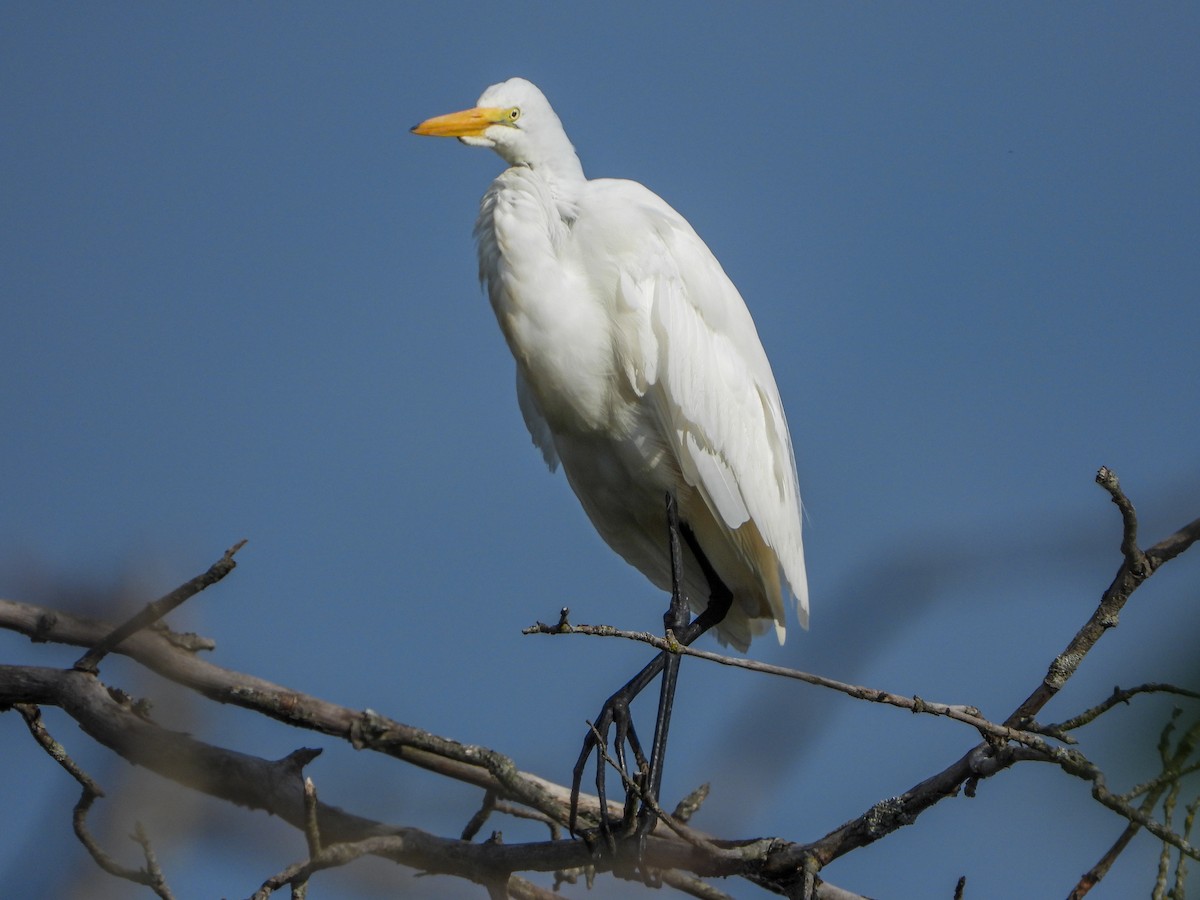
x,y
685,337
539,429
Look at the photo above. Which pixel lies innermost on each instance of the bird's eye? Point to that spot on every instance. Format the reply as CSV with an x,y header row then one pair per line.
x,y
514,114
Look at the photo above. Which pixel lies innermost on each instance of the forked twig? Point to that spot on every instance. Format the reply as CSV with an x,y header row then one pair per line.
x,y
1136,567
151,876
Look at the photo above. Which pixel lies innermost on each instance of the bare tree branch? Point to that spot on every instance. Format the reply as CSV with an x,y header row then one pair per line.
x,y
684,856
151,876
1134,557
155,610
967,714
159,653
985,760
1135,569
276,787
1118,696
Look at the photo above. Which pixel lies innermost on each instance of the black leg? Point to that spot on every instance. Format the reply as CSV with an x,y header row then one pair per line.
x,y
675,621
616,709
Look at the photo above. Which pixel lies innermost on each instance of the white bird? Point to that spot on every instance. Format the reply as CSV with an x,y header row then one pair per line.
x,y
639,368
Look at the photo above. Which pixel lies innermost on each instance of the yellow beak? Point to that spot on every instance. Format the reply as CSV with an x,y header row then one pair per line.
x,y
468,123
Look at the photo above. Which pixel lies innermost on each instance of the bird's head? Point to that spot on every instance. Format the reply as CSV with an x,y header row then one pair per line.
x,y
513,118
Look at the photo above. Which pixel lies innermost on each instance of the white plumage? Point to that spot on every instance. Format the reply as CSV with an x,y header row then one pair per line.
x,y
639,369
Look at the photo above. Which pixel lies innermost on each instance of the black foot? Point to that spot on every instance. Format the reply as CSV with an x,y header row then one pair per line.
x,y
614,718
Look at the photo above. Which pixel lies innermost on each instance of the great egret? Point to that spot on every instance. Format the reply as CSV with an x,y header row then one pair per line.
x,y
640,370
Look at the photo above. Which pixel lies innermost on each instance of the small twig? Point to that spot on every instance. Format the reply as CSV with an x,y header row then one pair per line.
x,y
1163,779
156,609
520,812
1075,763
693,837
331,857
151,876
1164,855
632,788
33,720
682,881
497,885
153,869
1118,696
690,805
387,846
312,831
1136,567
1173,762
1181,867
968,715
185,640
480,817
1096,873
1134,557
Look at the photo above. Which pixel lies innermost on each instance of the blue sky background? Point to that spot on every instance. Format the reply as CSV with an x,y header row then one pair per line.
x,y
238,299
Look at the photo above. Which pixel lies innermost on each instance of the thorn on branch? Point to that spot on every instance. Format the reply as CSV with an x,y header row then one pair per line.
x,y
156,609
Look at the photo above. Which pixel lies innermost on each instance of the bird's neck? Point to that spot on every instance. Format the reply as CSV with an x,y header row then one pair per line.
x,y
564,172
566,180
557,163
